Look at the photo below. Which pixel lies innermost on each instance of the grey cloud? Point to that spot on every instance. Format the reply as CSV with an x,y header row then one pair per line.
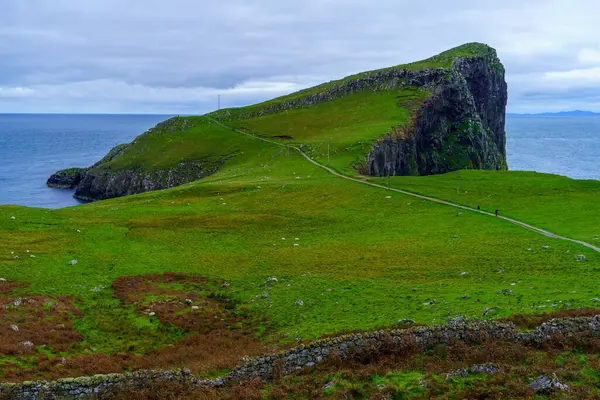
x,y
66,51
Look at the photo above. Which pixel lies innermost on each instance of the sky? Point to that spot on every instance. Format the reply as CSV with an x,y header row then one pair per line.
x,y
177,56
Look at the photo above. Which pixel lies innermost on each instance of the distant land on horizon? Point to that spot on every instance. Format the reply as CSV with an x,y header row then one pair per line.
x,y
575,113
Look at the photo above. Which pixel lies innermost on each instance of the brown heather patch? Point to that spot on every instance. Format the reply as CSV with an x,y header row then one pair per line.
x,y
532,321
219,334
40,320
7,287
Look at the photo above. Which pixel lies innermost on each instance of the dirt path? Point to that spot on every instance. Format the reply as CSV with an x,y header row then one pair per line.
x,y
432,199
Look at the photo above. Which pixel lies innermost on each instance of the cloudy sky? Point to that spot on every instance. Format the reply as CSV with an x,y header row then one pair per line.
x,y
176,56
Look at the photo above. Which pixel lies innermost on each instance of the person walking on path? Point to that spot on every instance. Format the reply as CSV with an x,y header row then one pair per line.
x,y
496,212
478,207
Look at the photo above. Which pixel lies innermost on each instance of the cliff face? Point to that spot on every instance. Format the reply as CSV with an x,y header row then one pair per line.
x,y
99,184
105,179
460,126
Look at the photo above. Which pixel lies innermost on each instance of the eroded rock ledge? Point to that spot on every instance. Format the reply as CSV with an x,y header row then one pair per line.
x,y
290,361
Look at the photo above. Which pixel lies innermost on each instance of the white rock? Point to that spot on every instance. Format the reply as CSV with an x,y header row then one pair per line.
x,y
388,197
297,239
195,308
272,279
299,302
282,238
78,231
151,314
14,328
296,245
464,273
27,344
31,256
12,218
27,251
73,262
2,280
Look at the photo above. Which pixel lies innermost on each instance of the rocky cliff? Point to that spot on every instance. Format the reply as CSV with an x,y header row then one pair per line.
x,y
110,177
460,126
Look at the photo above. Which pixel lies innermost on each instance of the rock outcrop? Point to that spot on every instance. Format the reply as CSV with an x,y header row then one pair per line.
x,y
461,126
66,178
104,180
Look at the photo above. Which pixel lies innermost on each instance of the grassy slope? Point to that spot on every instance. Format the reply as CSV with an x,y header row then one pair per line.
x,y
363,260
352,123
556,203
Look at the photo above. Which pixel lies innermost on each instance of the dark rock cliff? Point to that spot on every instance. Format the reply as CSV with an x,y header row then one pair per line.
x,y
461,126
101,184
101,181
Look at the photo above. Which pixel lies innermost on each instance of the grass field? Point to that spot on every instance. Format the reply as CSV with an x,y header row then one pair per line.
x,y
356,258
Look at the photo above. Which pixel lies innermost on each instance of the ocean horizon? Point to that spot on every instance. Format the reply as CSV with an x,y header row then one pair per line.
x,y
33,146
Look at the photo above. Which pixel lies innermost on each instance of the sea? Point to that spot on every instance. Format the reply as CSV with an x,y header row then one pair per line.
x,y
32,147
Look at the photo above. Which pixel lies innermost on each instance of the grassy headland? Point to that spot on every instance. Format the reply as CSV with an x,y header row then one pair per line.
x,y
345,256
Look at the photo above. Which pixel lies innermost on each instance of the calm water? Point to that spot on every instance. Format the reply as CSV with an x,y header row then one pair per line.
x,y
34,146
567,146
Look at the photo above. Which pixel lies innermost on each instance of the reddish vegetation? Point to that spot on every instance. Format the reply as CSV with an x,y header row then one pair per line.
x,y
531,321
355,377
219,334
39,320
7,287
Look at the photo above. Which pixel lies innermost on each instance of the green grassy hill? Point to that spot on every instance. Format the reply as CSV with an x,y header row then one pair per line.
x,y
355,257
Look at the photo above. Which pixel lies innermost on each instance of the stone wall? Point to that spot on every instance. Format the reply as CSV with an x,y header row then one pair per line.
x,y
290,361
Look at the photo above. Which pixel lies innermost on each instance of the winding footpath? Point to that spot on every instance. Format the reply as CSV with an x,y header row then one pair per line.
x,y
427,198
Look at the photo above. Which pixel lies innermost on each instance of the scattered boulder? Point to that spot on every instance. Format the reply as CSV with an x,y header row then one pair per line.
x,y
545,247
195,308
271,279
73,262
299,303
459,373
14,328
490,369
2,280
27,344
545,384
225,284
581,257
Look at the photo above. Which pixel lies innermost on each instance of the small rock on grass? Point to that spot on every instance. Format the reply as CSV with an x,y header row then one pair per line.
x,y
490,369
299,303
545,384
73,262
459,373
581,257
2,280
